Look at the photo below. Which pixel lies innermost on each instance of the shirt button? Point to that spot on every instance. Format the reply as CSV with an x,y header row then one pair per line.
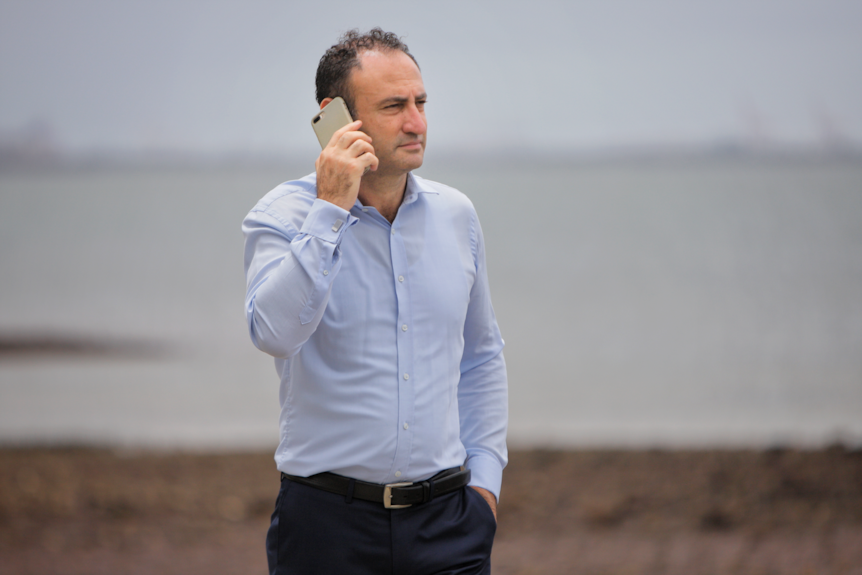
x,y
406,376
404,327
326,272
406,426
393,232
401,278
364,209
397,474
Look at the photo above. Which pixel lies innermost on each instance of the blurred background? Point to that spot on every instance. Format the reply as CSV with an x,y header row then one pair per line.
x,y
671,195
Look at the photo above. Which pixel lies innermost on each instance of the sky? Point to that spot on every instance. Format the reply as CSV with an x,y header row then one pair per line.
x,y
238,77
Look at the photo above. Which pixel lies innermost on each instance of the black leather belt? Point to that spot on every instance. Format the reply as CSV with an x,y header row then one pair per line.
x,y
392,495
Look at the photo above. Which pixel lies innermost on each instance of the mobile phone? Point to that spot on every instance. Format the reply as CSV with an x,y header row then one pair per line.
x,y
330,119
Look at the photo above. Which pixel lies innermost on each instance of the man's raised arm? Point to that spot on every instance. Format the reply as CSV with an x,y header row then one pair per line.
x,y
289,271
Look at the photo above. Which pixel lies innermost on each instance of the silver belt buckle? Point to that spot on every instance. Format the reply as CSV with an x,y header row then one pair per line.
x,y
387,495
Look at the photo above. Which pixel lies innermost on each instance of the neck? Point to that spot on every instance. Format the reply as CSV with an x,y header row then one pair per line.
x,y
383,192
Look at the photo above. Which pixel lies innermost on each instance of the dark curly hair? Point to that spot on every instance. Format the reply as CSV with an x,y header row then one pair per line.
x,y
335,66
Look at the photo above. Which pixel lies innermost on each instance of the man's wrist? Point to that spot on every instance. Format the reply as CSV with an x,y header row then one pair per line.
x,y
488,497
486,472
341,201
327,221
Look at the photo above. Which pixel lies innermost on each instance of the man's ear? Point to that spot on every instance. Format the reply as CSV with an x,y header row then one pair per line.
x,y
325,102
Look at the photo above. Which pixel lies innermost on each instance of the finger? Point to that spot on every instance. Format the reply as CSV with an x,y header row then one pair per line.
x,y
349,138
366,162
351,127
359,147
373,163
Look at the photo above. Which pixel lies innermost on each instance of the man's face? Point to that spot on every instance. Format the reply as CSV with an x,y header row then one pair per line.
x,y
389,98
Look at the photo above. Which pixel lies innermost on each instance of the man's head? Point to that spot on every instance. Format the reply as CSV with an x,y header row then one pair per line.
x,y
382,86
333,71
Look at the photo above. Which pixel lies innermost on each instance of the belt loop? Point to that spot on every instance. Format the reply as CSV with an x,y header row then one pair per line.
x,y
349,497
428,488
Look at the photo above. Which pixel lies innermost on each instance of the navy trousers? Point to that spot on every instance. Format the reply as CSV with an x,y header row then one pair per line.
x,y
315,532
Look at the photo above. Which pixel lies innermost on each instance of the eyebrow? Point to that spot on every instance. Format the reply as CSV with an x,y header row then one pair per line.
x,y
401,99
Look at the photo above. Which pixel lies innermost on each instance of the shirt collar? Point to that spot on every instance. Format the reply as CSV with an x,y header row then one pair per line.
x,y
416,186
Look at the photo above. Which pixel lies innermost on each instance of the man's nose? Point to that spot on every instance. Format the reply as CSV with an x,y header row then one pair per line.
x,y
415,122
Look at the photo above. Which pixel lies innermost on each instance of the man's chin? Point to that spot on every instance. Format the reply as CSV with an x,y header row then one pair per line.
x,y
414,159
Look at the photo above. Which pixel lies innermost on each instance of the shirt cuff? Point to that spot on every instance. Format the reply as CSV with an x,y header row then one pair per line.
x,y
486,472
327,221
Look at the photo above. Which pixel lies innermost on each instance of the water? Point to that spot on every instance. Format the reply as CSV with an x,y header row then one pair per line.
x,y
665,303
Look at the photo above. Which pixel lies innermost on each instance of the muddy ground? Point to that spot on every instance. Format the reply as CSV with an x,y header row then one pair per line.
x,y
90,511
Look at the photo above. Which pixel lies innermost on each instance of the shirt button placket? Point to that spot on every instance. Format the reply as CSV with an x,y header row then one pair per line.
x,y
406,393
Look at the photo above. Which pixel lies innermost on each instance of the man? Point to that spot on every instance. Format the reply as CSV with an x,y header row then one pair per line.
x,y
368,286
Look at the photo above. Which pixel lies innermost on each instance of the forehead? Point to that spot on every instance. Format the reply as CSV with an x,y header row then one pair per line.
x,y
383,74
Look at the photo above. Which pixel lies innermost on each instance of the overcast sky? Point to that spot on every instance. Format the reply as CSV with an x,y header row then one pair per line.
x,y
216,76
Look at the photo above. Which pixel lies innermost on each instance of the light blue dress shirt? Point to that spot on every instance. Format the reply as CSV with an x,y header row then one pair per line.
x,y
390,358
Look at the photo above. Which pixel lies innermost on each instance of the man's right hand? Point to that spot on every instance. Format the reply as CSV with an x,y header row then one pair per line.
x,y
342,163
